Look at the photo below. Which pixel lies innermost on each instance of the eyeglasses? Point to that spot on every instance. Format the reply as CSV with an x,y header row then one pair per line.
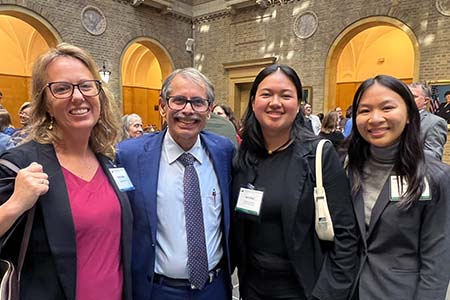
x,y
64,90
198,104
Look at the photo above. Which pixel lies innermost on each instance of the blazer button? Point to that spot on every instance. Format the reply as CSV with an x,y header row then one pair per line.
x,y
153,245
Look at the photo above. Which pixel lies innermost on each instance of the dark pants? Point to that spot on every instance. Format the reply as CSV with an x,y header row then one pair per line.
x,y
216,290
263,285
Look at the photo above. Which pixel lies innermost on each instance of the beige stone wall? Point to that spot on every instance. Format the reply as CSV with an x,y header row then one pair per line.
x,y
256,32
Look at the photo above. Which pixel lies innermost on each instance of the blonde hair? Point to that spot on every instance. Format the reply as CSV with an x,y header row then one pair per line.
x,y
105,133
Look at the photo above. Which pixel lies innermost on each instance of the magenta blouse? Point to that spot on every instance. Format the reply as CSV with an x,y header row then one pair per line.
x,y
96,215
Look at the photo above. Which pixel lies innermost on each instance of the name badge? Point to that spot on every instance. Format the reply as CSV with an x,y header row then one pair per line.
x,y
249,201
398,189
122,180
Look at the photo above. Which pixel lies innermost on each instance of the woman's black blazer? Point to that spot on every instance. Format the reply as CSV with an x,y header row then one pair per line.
x,y
49,270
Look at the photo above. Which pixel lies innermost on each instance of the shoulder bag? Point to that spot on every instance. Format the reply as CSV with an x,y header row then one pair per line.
x,y
9,275
323,222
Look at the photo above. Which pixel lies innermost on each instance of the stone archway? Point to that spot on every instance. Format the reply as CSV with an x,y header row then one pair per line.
x,y
24,35
145,63
345,37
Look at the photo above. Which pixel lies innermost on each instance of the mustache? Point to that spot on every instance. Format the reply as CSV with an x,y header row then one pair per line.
x,y
182,116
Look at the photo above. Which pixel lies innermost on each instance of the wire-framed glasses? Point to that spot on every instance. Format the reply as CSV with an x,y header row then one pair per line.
x,y
64,90
198,104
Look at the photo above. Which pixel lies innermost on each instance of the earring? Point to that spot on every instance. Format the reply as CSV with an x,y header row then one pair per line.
x,y
50,126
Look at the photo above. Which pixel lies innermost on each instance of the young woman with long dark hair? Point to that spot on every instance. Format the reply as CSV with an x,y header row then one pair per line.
x,y
278,253
400,197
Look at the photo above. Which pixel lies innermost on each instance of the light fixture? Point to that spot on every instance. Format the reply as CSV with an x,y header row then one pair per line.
x,y
104,73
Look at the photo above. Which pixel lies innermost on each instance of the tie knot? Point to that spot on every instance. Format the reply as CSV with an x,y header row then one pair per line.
x,y
186,159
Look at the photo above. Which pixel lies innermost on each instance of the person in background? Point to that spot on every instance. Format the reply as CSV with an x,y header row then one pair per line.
x,y
443,110
348,124
181,205
320,116
132,126
1,97
314,120
342,120
222,126
80,244
226,112
4,142
329,129
5,122
433,129
400,197
24,117
277,251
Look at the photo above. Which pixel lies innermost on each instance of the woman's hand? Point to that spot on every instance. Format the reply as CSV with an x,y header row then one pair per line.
x,y
31,182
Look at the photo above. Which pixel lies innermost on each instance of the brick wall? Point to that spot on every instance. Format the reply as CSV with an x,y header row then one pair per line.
x,y
257,32
124,24
251,33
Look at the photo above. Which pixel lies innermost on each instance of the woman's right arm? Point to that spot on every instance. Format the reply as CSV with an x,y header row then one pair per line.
x,y
30,183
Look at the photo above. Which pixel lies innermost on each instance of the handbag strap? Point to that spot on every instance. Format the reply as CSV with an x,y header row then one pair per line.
x,y
28,225
319,150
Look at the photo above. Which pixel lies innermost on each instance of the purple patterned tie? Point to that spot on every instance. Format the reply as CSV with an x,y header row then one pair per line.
x,y
195,230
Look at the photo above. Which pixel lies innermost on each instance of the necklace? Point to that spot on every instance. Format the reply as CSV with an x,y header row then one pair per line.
x,y
282,147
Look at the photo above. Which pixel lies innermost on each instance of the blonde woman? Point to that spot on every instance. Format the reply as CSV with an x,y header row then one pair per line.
x,y
80,244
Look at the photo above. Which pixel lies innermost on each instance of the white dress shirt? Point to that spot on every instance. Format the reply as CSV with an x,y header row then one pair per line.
x,y
171,248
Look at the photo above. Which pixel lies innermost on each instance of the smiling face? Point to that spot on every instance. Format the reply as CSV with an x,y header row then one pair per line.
x,y
381,116
185,125
77,114
276,104
135,129
24,116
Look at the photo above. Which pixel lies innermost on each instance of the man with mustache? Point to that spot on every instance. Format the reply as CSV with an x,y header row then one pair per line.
x,y
181,178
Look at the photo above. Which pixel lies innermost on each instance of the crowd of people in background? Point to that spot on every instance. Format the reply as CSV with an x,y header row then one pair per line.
x,y
127,212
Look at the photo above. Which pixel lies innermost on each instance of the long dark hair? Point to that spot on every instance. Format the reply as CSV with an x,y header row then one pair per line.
x,y
410,161
253,145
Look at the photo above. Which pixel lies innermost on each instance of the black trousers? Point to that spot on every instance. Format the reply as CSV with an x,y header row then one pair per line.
x,y
265,285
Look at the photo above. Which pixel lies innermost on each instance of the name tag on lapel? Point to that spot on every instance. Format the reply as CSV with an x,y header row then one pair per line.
x,y
249,201
121,179
397,189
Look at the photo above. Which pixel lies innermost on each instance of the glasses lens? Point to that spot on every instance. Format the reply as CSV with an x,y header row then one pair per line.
x,y
61,89
177,102
199,104
89,87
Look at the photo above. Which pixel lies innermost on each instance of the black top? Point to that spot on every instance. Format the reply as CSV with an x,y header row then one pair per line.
x,y
336,137
265,235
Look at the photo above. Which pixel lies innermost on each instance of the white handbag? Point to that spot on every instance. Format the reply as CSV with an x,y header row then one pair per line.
x,y
323,222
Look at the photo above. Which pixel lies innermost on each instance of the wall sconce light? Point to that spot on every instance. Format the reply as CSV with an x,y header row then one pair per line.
x,y
104,73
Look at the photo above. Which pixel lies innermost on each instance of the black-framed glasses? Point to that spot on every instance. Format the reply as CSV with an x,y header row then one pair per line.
x,y
198,104
64,90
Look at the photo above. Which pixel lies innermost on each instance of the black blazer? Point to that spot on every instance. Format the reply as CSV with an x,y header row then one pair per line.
x,y
405,254
49,270
326,270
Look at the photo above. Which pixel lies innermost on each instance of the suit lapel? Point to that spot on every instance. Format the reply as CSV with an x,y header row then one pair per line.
x,y
223,173
298,171
358,204
58,221
149,160
380,205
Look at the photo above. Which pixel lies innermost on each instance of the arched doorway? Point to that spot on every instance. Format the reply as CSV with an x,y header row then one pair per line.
x,y
145,64
23,36
376,45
